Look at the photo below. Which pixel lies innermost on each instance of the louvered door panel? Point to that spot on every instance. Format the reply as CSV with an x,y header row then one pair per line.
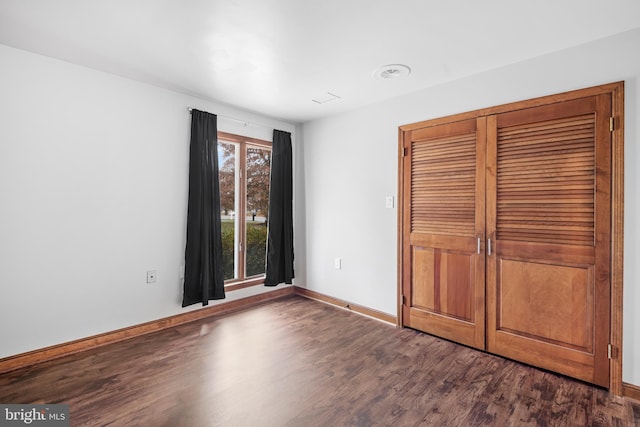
x,y
546,181
548,218
443,185
444,206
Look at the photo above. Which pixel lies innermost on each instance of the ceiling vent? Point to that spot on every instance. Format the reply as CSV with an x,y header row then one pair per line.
x,y
392,71
325,98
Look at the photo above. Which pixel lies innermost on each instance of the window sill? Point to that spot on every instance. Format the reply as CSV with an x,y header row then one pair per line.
x,y
235,285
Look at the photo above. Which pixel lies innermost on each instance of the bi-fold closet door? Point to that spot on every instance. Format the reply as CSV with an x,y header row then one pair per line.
x,y
444,230
506,233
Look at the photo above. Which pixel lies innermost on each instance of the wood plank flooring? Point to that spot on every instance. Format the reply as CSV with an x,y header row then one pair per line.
x,y
297,362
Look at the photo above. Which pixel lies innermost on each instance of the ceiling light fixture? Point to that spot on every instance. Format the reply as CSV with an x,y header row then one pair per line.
x,y
392,71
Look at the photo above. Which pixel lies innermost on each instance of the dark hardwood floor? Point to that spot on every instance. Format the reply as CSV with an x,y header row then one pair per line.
x,y
297,362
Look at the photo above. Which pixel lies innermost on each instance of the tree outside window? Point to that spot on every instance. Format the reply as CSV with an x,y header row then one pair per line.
x,y
244,174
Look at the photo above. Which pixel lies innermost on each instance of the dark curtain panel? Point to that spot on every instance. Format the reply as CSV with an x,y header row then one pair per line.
x,y
203,275
280,237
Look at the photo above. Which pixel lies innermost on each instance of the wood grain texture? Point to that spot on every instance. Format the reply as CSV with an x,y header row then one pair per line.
x,y
526,307
400,228
405,228
552,190
84,344
443,191
615,88
631,391
443,209
446,280
546,179
360,309
296,362
617,236
566,180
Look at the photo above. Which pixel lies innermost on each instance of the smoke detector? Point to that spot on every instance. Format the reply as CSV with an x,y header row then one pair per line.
x,y
392,71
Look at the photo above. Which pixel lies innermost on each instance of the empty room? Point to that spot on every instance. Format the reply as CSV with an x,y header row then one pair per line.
x,y
304,213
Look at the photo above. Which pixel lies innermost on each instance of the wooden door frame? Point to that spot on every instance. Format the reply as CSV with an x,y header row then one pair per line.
x,y
616,90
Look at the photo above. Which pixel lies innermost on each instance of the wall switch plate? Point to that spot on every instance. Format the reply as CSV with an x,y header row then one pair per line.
x,y
337,263
151,276
389,202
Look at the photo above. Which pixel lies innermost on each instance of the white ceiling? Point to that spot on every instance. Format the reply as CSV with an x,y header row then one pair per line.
x,y
275,56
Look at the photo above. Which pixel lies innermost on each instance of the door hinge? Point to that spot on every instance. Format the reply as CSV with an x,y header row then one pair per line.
x,y
609,351
610,124
402,298
405,152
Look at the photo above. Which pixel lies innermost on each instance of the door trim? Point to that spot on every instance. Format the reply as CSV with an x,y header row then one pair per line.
x,y
616,90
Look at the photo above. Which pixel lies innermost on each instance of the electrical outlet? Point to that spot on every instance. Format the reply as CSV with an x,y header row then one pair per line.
x,y
151,276
337,263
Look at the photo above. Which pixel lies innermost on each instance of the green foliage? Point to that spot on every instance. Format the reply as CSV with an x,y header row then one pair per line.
x,y
227,248
256,248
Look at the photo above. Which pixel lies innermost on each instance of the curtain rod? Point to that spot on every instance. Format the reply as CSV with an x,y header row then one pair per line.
x,y
245,123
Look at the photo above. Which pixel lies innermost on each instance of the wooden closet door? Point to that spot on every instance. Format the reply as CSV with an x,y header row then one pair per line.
x,y
443,253
548,218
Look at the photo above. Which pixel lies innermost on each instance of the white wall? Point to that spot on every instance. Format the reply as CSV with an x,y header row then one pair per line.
x,y
93,193
350,165
93,184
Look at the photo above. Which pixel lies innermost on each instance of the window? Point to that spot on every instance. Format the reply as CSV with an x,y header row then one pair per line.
x,y
244,173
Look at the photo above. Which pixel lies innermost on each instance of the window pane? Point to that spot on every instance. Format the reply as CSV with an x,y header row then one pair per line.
x,y
258,170
227,176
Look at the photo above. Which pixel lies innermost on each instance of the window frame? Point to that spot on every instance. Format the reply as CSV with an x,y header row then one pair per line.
x,y
244,142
